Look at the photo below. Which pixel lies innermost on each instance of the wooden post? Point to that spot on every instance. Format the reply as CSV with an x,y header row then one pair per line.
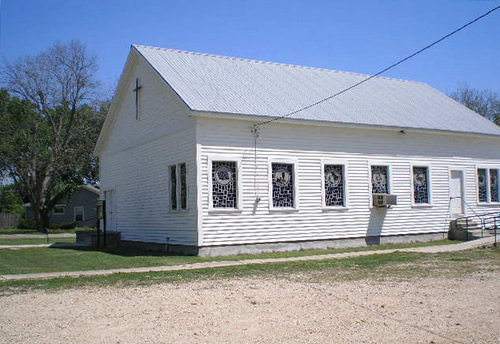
x,y
466,229
104,221
496,223
99,216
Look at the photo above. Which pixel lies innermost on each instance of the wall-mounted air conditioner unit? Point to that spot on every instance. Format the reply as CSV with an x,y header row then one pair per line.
x,y
384,200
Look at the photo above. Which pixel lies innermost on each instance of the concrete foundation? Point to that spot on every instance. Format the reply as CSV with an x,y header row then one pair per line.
x,y
231,250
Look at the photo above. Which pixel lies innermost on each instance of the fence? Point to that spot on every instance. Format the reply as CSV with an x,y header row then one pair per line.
x,y
9,220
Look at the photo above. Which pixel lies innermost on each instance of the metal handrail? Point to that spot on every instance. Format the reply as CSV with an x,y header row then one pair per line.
x,y
468,205
488,218
487,214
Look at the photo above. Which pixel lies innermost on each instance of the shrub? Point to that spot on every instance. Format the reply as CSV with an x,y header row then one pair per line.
x,y
64,225
10,200
26,224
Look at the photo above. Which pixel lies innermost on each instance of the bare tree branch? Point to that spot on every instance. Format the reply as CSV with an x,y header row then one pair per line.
x,y
484,102
45,139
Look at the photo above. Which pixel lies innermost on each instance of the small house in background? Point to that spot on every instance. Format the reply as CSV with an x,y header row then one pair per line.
x,y
193,159
79,207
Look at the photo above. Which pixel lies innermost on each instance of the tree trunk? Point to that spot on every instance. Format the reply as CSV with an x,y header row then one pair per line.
x,y
41,219
45,221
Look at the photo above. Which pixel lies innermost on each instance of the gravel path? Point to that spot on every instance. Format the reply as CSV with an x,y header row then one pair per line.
x,y
262,310
54,245
18,247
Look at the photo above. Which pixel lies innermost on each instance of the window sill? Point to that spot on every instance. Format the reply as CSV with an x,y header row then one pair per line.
x,y
325,208
488,204
224,211
426,205
178,212
283,210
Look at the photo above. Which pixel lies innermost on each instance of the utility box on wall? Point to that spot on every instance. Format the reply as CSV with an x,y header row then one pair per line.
x,y
384,200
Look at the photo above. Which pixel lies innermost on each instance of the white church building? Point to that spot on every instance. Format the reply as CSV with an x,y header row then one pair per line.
x,y
192,158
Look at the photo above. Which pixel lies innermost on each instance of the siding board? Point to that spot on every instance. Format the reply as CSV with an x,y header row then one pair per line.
x,y
359,148
136,158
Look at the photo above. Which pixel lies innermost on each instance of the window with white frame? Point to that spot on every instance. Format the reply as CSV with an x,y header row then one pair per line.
x,y
334,185
283,185
78,214
59,209
178,186
380,179
487,185
421,185
224,184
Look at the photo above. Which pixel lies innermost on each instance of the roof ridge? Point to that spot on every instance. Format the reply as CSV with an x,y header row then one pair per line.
x,y
90,188
275,63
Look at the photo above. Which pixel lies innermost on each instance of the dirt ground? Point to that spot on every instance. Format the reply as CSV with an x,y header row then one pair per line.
x,y
262,310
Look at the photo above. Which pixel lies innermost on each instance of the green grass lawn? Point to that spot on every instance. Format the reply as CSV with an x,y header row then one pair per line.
x,y
398,265
36,241
6,231
32,260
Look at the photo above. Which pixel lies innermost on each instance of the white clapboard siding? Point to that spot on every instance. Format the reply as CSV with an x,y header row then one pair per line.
x,y
358,147
135,160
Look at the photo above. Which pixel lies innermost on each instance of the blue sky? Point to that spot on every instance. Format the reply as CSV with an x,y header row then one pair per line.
x,y
360,36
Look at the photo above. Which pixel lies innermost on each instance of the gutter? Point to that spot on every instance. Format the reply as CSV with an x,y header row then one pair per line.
x,y
321,123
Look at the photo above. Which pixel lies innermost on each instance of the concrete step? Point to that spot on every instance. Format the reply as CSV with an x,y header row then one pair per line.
x,y
478,234
471,228
464,222
470,225
462,229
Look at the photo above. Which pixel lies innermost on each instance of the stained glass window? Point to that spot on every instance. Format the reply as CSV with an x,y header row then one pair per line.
x,y
420,185
224,184
494,195
334,185
380,179
482,185
282,179
183,185
173,187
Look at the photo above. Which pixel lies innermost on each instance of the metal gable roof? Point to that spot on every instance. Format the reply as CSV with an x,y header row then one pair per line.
x,y
238,86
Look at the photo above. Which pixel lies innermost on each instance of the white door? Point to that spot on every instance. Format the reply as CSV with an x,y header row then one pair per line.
x,y
456,193
109,196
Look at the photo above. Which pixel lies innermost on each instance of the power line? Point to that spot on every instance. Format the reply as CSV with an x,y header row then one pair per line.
x,y
381,72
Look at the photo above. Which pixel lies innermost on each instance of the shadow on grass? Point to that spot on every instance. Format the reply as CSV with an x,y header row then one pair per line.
x,y
117,251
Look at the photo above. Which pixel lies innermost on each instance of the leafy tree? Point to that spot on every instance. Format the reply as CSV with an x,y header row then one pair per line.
x,y
48,131
10,200
486,103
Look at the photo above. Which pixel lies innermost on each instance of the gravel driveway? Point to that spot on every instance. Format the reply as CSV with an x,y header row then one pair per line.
x,y
262,310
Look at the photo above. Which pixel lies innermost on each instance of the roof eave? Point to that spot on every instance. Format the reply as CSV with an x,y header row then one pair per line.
x,y
133,53
106,127
298,121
